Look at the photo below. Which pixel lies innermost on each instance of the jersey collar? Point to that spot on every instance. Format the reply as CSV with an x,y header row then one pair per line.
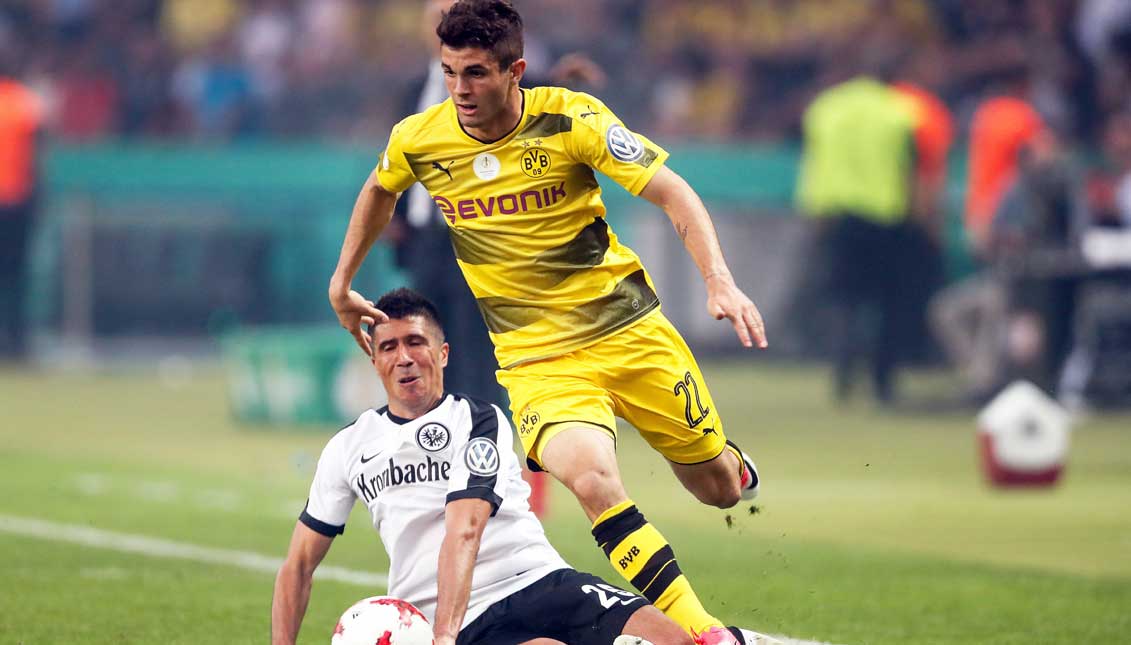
x,y
508,135
401,420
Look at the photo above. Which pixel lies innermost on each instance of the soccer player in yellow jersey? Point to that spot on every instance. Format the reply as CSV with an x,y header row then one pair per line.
x,y
574,317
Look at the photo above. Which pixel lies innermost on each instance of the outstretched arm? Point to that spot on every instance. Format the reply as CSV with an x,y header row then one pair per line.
x,y
724,299
371,213
292,584
464,521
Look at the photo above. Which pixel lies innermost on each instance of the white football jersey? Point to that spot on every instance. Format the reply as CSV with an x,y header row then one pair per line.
x,y
406,470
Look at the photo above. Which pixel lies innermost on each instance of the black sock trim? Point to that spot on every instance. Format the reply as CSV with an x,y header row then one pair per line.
x,y
753,473
615,529
736,633
653,567
658,586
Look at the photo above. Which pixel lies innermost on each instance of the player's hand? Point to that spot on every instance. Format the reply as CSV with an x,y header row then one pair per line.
x,y
444,640
355,313
726,300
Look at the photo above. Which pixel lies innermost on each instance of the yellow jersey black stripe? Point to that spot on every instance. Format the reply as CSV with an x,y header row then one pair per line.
x,y
526,217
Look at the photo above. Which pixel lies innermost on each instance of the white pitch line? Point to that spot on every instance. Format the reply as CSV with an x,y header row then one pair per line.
x,y
156,547
786,640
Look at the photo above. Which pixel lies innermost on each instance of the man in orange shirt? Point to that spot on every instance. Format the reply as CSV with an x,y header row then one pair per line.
x,y
20,117
1002,127
970,317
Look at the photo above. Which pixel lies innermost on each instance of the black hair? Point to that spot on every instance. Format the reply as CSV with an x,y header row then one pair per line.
x,y
492,25
404,302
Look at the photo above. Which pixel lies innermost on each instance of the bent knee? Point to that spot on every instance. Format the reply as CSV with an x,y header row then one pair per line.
x,y
597,488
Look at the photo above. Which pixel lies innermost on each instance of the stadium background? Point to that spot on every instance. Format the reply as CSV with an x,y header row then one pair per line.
x,y
200,160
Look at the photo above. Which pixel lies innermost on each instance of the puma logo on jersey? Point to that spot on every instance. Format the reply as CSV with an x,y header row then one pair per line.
x,y
707,431
629,557
591,112
444,169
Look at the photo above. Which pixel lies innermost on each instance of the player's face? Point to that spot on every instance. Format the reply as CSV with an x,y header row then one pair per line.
x,y
410,358
480,90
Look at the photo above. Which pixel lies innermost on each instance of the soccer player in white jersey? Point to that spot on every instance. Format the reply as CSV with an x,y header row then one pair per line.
x,y
573,314
444,488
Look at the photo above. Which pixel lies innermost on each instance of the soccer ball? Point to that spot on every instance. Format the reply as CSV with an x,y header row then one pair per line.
x,y
1024,436
381,620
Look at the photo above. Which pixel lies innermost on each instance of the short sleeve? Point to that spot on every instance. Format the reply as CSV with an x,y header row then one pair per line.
x,y
480,456
331,497
602,141
393,170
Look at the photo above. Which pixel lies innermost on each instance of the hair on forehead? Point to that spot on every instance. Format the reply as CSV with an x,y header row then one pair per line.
x,y
403,302
491,25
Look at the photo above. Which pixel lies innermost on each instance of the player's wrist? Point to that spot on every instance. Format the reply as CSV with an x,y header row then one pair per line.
x,y
718,277
443,638
339,290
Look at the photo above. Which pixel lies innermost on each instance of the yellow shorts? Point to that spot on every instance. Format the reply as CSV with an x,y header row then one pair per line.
x,y
644,374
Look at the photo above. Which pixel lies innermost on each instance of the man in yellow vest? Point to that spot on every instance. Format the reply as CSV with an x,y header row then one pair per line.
x,y
858,183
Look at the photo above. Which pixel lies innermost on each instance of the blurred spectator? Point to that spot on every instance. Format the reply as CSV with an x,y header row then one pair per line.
x,y
970,318
1036,232
1002,126
1098,369
1119,142
215,90
934,133
147,106
1012,320
722,70
1099,24
192,25
87,95
20,118
265,37
857,182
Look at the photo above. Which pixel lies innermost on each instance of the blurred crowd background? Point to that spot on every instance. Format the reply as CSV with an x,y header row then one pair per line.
x,y
713,69
206,152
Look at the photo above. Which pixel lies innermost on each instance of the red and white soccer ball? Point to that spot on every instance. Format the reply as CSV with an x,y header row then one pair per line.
x,y
381,620
1024,437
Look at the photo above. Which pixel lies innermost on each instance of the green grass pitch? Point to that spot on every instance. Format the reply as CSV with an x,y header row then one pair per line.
x,y
873,528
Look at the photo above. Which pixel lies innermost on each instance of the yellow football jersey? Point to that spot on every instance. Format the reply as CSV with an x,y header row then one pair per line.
x,y
526,217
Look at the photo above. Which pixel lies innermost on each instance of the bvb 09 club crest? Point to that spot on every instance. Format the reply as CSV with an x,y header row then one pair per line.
x,y
535,162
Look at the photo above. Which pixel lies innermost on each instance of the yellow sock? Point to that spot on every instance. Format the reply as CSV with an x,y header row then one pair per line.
x,y
645,559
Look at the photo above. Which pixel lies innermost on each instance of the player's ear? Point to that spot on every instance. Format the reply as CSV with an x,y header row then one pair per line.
x,y
444,355
372,329
518,69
